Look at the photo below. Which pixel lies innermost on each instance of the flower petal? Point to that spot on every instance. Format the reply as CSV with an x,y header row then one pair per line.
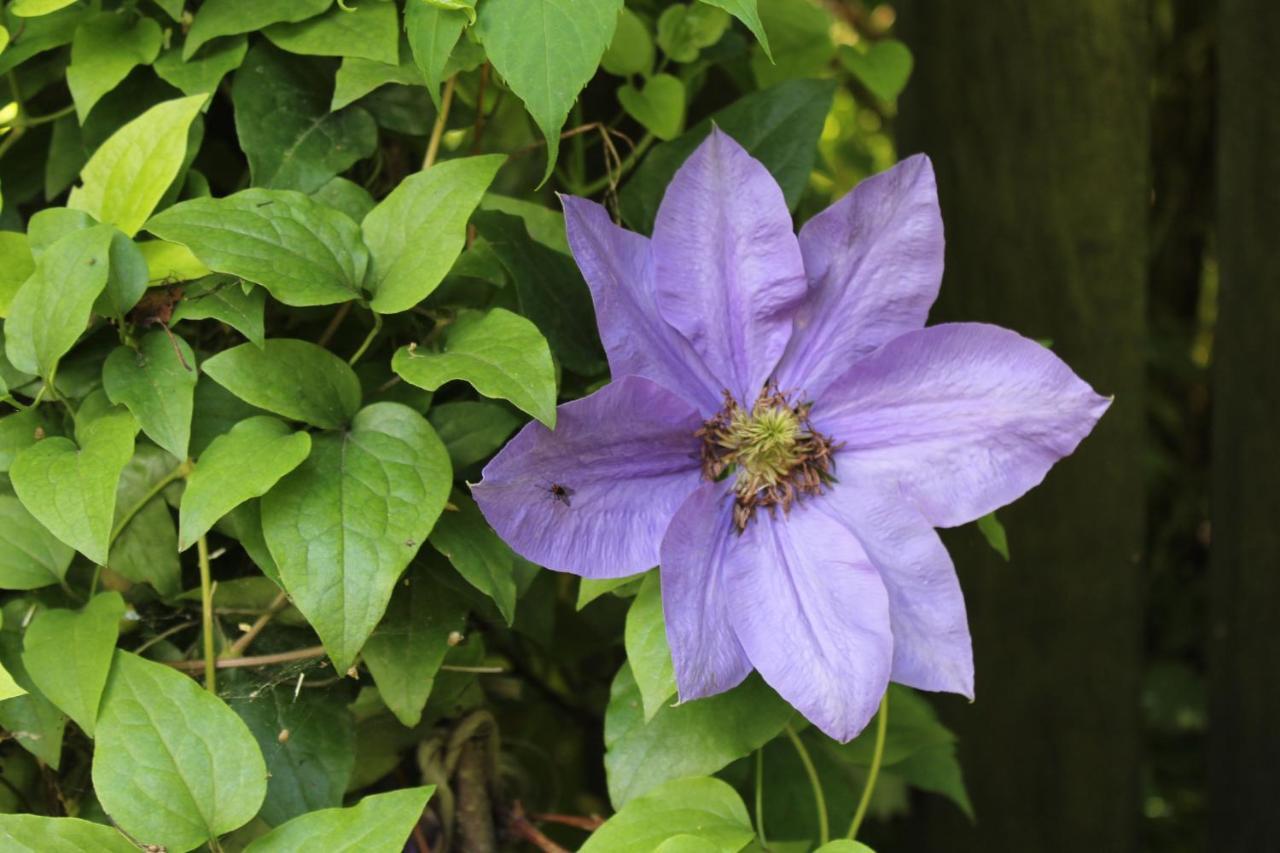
x,y
963,418
707,656
874,264
626,458
813,616
932,649
728,271
618,267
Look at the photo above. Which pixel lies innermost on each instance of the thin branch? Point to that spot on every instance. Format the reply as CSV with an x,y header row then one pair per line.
x,y
308,653
206,616
242,642
334,322
437,130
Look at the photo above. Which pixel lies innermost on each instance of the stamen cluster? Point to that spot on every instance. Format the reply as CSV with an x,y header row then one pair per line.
x,y
776,454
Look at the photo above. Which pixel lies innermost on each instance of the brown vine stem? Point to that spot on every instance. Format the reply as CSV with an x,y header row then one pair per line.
x,y
307,653
206,616
334,322
242,642
437,130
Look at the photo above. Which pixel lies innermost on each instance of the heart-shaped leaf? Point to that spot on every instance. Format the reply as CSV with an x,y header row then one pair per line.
x,y
378,822
162,739
659,105
499,353
884,68
71,489
344,524
27,832
68,655
30,556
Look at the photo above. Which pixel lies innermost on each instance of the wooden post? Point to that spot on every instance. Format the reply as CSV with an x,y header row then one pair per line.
x,y
1036,115
1244,733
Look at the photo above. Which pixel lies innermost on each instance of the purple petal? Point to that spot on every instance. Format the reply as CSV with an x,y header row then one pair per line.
x,y
813,616
931,645
595,496
962,418
618,267
707,656
874,264
728,271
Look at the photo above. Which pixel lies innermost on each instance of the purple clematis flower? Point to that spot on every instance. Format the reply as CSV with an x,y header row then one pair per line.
x,y
783,434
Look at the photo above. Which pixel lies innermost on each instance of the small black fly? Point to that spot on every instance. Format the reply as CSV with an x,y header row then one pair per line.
x,y
559,492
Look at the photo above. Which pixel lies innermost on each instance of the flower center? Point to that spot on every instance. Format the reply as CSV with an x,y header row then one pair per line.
x,y
773,452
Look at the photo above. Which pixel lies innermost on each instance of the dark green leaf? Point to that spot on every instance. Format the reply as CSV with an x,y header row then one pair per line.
x,y
146,550
30,556
479,555
220,297
157,383
284,124
472,429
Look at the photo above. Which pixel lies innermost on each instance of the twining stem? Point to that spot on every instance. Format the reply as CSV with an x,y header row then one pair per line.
x,y
334,322
760,797
34,121
242,642
437,130
206,616
368,339
882,727
819,800
294,655
609,179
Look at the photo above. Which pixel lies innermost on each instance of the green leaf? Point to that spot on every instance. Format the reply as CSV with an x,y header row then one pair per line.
x,y
4,42
229,17
346,196
746,11
589,589
296,379
68,655
37,34
406,651
368,29
472,429
631,50
432,33
937,770
502,355
157,385
23,429
52,308
171,262
33,8
884,68
550,290
309,743
16,266
684,30
780,127
30,556
201,75
346,522
200,760
647,650
800,38
127,176
72,490
32,720
104,50
844,845
378,822
700,736
126,279
658,106
146,551
543,224
358,77
9,687
284,124
28,833
547,51
479,554
220,297
700,806
993,531
415,234
301,251
241,464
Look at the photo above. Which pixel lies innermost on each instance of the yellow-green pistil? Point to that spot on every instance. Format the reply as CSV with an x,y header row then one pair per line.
x,y
772,450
